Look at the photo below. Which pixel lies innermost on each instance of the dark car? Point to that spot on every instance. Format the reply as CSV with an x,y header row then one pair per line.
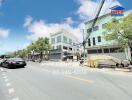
x,y
13,63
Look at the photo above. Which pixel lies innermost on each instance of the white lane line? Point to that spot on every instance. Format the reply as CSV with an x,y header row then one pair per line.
x,y
6,80
11,90
16,98
8,84
5,77
3,74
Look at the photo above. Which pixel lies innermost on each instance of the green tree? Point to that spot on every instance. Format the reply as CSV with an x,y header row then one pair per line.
x,y
42,46
120,31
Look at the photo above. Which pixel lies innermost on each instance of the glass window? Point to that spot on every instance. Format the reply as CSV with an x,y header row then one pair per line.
x,y
89,42
92,51
70,41
99,38
53,40
64,39
58,39
106,50
89,30
96,28
59,47
99,50
70,49
94,41
64,47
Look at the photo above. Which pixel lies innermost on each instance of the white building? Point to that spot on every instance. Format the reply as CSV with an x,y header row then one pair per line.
x,y
63,45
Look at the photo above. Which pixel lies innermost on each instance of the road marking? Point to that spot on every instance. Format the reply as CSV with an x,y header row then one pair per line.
x,y
3,74
6,80
15,98
8,84
11,90
4,77
81,79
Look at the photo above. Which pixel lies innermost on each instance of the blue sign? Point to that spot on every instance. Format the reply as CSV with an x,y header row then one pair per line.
x,y
117,11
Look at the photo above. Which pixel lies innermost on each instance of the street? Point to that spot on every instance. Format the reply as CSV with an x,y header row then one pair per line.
x,y
39,82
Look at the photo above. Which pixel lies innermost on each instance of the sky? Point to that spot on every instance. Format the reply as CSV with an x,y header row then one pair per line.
x,y
23,21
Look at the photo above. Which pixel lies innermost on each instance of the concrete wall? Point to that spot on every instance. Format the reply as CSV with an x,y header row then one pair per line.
x,y
120,56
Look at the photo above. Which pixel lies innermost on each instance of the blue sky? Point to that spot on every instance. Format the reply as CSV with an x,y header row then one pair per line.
x,y
45,14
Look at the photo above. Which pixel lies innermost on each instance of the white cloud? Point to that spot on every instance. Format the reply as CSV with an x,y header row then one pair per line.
x,y
88,8
4,32
43,29
28,21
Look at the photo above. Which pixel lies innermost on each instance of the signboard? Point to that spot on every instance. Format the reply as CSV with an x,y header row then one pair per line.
x,y
117,11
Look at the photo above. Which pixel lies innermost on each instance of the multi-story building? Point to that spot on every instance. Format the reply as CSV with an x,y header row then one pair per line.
x,y
97,44
63,45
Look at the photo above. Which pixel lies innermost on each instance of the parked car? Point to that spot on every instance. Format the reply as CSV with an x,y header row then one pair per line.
x,y
13,63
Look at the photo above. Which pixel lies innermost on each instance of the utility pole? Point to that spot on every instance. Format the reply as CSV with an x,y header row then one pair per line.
x,y
94,22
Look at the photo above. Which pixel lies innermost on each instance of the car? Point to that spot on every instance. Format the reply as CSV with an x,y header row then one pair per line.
x,y
14,63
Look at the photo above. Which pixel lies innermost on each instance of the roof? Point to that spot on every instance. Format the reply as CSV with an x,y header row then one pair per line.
x,y
117,8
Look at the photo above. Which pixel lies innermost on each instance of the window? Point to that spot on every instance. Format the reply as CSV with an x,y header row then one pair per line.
x,y
95,28
53,40
89,30
99,38
94,41
58,39
53,47
59,47
104,25
99,50
64,39
106,50
92,51
64,47
89,42
70,41
70,49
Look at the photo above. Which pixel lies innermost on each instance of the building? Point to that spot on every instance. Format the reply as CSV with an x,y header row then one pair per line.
x,y
63,46
97,44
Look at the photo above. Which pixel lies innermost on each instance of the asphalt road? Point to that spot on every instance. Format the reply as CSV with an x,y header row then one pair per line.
x,y
43,82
